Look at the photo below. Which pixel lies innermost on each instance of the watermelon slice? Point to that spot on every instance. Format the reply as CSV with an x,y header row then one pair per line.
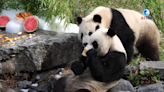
x,y
30,24
4,20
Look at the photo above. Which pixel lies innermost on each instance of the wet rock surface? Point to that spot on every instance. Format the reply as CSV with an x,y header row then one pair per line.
x,y
38,54
157,65
43,51
123,86
158,87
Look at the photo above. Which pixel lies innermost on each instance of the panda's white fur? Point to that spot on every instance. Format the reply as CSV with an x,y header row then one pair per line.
x,y
106,61
105,42
134,19
87,22
141,27
145,30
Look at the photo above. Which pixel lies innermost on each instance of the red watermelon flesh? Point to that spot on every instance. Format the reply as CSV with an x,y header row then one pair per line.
x,y
4,20
30,24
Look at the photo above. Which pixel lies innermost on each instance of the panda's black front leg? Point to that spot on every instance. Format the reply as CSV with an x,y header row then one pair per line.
x,y
78,67
107,68
95,66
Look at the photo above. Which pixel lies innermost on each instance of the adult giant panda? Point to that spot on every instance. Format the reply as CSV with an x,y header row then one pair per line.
x,y
130,28
106,56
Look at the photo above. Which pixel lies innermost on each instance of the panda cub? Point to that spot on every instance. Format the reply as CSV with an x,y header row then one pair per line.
x,y
133,31
106,56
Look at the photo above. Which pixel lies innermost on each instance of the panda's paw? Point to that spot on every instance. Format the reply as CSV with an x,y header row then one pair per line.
x,y
77,67
91,52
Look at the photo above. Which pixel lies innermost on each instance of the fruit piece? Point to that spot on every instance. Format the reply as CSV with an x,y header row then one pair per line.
x,y
30,24
23,15
4,20
84,52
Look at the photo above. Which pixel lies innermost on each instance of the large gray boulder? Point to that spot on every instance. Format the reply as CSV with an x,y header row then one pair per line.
x,y
43,51
158,87
123,86
157,65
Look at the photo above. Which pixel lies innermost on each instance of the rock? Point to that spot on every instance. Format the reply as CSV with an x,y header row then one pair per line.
x,y
4,87
123,86
24,90
42,82
85,82
67,50
24,84
157,65
130,69
152,64
158,87
1,87
43,86
45,50
10,90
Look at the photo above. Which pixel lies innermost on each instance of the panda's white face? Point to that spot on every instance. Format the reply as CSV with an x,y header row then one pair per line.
x,y
103,40
99,18
86,28
99,40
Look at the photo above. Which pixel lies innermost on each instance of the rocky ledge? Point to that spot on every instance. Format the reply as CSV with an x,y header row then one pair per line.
x,y
43,51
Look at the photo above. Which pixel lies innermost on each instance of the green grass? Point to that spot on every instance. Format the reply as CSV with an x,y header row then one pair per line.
x,y
162,49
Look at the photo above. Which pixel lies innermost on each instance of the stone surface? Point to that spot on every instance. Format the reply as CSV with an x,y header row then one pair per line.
x,y
24,84
43,82
123,86
152,64
158,65
151,88
10,90
130,69
44,51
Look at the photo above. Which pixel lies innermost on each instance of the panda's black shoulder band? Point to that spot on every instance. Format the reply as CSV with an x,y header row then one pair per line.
x,y
111,32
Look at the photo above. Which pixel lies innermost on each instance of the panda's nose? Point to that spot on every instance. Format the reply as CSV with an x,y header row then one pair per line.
x,y
85,44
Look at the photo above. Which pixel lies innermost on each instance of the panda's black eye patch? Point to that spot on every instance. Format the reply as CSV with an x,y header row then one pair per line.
x,y
81,35
97,27
89,33
95,44
85,44
97,18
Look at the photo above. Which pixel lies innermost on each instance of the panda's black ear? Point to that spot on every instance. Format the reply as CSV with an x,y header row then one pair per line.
x,y
97,18
79,20
111,32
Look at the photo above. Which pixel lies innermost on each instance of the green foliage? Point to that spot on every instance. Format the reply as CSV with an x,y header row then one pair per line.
x,y
69,9
44,8
33,6
156,7
142,77
56,8
162,49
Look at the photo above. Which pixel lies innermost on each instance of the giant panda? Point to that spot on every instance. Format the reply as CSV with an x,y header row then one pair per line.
x,y
106,56
133,31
